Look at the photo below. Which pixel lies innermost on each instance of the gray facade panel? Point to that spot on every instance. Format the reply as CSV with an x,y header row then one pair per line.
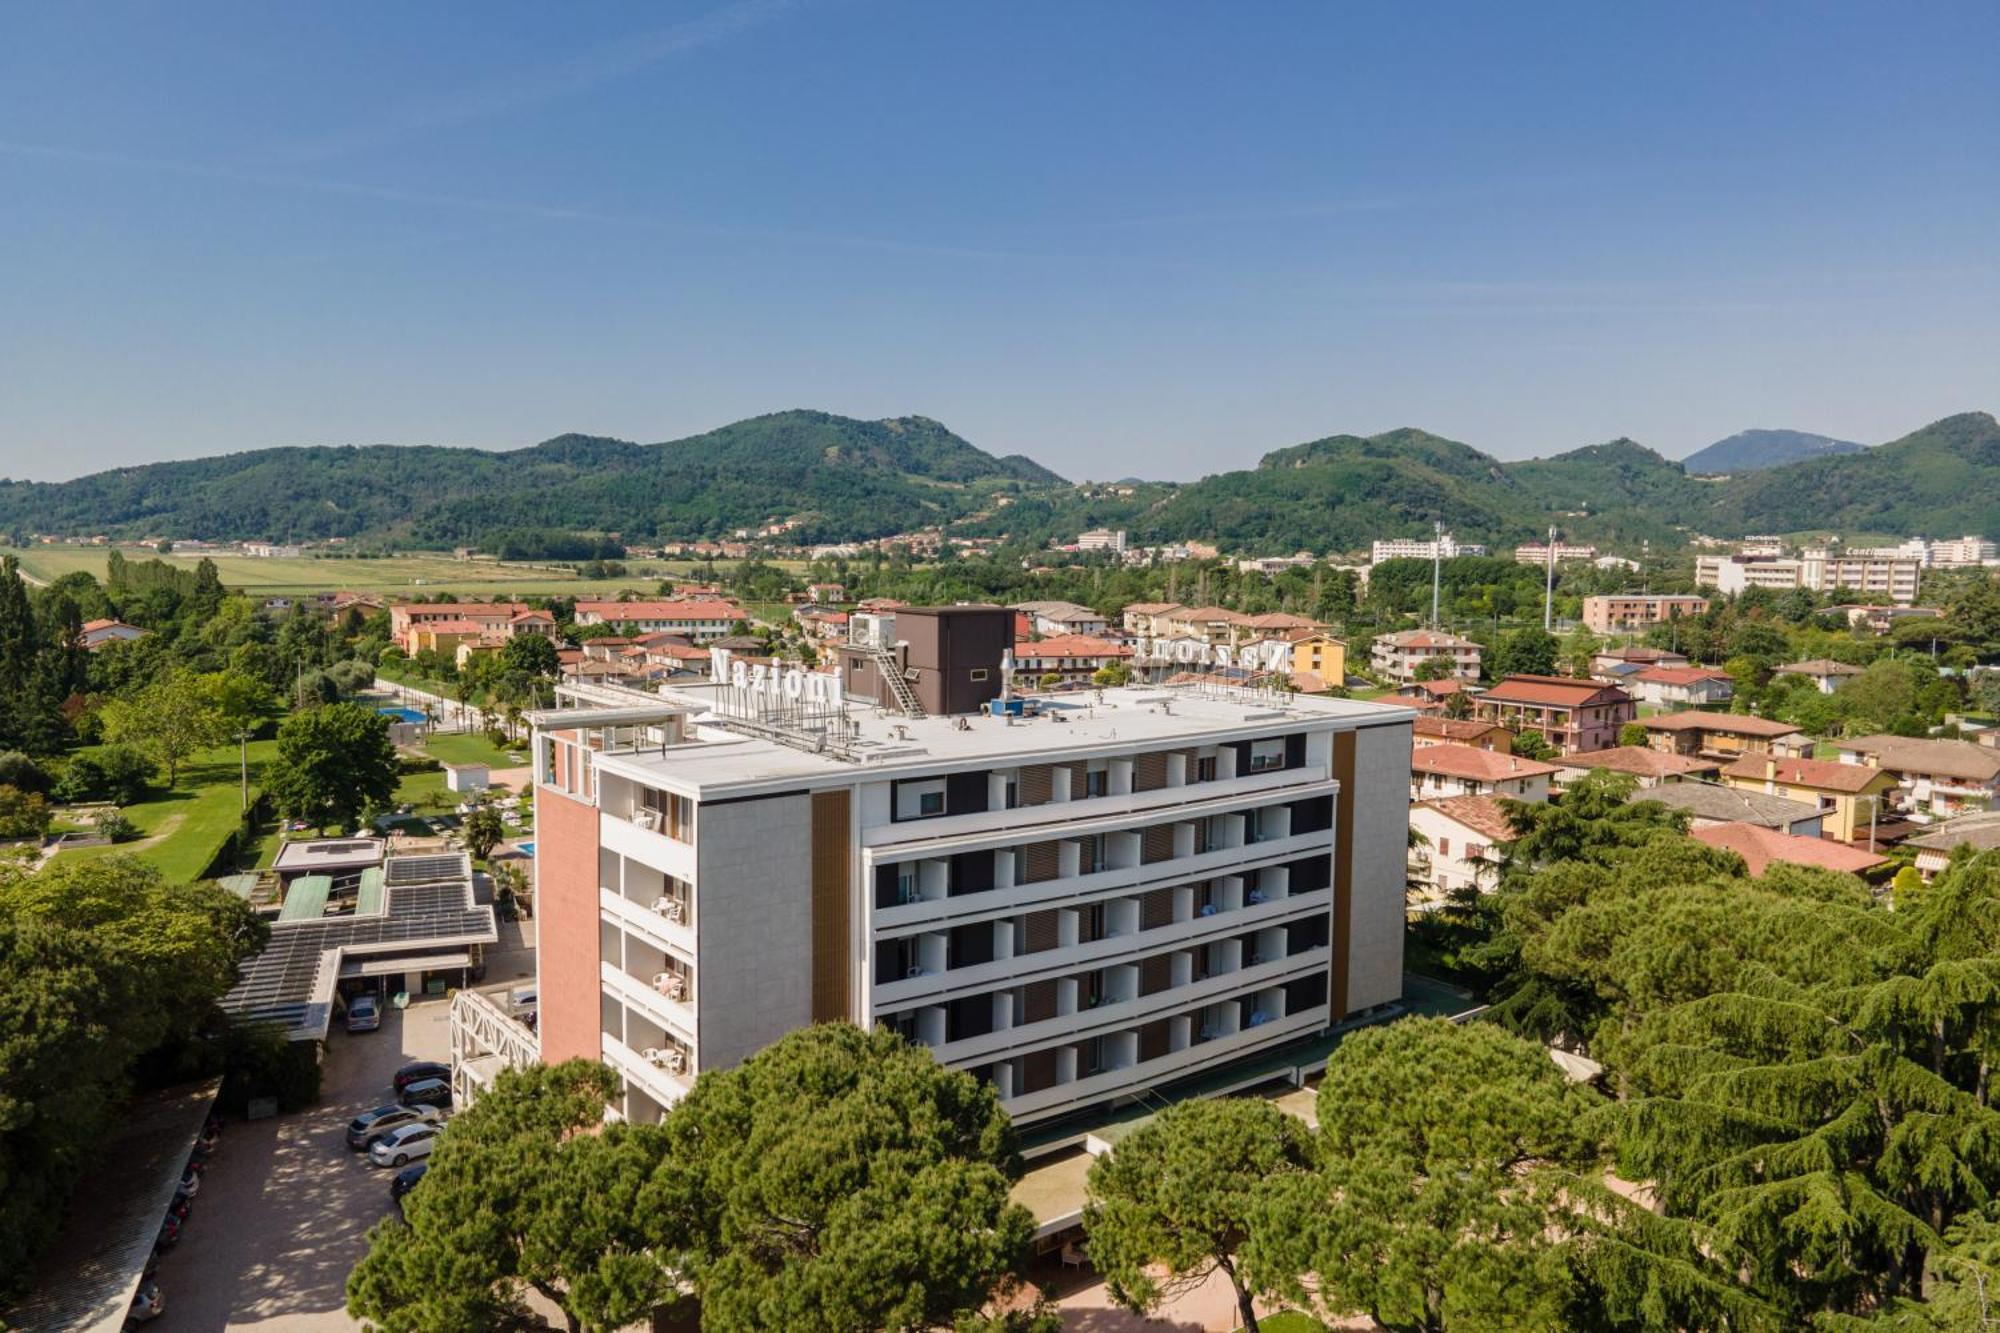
x,y
1381,857
753,919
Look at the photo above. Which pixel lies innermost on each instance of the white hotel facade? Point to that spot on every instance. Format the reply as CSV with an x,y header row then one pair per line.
x,y
1129,888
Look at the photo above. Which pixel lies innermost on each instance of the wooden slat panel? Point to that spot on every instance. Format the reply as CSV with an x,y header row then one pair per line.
x,y
1038,1001
1037,784
1154,1039
1041,861
1156,843
1041,932
1038,1070
1156,909
832,950
1156,973
1149,771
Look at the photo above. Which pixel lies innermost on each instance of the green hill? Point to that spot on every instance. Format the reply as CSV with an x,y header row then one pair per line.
x,y
1753,450
1942,480
838,476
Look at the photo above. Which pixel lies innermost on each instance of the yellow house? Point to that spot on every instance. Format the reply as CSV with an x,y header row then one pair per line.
x,y
1851,795
1321,654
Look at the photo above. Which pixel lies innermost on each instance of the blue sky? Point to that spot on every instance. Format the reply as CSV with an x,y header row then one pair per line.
x,y
1151,239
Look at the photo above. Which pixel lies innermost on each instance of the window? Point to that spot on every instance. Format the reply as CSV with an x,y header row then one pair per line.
x,y
977,673
1096,782
1444,846
919,800
670,814
1267,755
1204,768
906,882
1093,854
1012,799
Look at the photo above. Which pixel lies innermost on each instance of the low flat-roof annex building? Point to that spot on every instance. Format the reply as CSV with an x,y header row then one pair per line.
x,y
1076,899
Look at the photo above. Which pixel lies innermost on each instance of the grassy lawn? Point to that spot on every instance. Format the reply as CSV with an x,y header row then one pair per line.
x,y
1289,1321
181,830
473,748
407,576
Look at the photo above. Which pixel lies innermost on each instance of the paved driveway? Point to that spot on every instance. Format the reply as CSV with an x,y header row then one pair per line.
x,y
284,1211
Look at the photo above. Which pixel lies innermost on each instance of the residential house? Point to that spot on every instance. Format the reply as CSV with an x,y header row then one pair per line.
x,y
1826,674
1209,624
826,592
1319,654
1460,770
1651,767
1431,730
97,633
488,619
698,620
1062,618
1614,666
1881,619
1280,625
1680,687
1460,837
1724,736
1571,715
1935,777
1759,847
1853,797
1435,695
1147,620
1712,803
1627,612
1980,832
1074,658
1397,656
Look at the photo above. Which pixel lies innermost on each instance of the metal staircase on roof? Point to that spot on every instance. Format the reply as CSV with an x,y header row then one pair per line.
x,y
899,686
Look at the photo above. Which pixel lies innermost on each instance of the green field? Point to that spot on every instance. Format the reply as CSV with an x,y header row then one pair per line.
x,y
473,748
409,576
182,830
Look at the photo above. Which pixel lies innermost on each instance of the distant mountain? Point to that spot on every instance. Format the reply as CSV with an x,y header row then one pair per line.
x,y
1942,480
1755,450
836,476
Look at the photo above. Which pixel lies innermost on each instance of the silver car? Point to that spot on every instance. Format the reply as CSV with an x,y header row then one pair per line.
x,y
369,1126
402,1146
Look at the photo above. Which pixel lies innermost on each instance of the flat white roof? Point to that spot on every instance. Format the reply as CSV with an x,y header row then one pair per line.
x,y
1115,721
319,854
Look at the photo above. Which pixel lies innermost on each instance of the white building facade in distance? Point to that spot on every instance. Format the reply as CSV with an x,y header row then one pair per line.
x,y
1074,899
1445,547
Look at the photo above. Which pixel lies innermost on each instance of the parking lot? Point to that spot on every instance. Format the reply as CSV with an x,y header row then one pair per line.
x,y
285,1209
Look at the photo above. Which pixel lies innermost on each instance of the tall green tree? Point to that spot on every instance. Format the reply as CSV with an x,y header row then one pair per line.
x,y
840,1180
1530,651
333,764
527,1190
1171,1207
1437,1202
171,719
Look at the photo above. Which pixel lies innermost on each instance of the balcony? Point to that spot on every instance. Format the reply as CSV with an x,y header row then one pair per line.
x,y
655,1000
1012,899
653,923
658,1080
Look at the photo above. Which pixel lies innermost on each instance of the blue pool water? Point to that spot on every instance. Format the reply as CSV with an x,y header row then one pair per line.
x,y
525,848
403,714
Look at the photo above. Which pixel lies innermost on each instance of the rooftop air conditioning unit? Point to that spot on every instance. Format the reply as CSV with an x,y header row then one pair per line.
x,y
671,984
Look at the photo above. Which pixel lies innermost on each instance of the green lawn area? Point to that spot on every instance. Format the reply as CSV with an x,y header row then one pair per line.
x,y
1289,1321
181,830
473,748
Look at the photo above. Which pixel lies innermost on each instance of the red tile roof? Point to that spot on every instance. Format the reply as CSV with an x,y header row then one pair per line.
x,y
657,610
1687,675
1453,729
1070,645
1481,814
1642,762
1824,774
1734,724
1553,692
1760,846
1464,761
1425,638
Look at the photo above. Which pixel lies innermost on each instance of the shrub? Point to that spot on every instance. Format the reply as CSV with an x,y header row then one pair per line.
x,y
23,814
19,771
114,825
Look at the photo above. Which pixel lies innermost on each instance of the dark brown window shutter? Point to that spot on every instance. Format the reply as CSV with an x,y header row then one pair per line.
x,y
1156,843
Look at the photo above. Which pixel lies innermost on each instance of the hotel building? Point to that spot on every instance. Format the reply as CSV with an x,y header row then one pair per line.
x,y
1076,899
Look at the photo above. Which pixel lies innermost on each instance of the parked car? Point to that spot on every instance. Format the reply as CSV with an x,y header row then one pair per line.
x,y
427,1092
366,1128
418,1070
364,1014
400,1146
147,1304
406,1180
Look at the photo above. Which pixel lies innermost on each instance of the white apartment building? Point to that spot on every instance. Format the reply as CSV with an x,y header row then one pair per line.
x,y
698,620
1408,548
1101,539
1962,552
1076,905
1396,657
1537,553
1819,569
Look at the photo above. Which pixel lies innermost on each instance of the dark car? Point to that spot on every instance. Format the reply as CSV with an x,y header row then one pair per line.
x,y
406,1180
419,1070
427,1092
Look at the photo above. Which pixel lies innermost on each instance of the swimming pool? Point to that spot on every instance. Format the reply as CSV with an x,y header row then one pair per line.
x,y
403,714
525,848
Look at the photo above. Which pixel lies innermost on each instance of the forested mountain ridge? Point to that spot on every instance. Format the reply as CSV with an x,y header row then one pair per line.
x,y
843,479
838,476
1754,450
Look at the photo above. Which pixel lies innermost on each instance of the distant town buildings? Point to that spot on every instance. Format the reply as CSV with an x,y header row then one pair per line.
x,y
1623,612
1819,569
1101,539
1537,553
1396,657
1445,547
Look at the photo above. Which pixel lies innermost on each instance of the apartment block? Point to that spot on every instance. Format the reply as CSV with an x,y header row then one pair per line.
x,y
1626,612
1894,579
1445,547
1537,553
1075,899
1397,656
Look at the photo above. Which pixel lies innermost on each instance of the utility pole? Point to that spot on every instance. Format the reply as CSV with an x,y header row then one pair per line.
x,y
1437,564
1549,587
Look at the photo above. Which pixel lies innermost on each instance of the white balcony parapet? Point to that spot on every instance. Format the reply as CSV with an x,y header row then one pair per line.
x,y
677,1016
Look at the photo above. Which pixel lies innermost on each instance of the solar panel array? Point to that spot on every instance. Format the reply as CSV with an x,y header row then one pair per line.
x,y
429,898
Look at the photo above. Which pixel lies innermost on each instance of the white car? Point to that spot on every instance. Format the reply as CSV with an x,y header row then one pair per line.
x,y
400,1147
